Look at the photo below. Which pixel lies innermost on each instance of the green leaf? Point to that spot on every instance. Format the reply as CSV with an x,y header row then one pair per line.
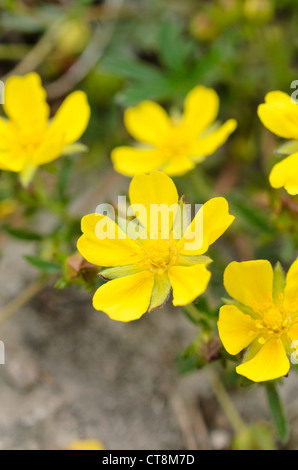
x,y
159,87
244,308
75,148
279,282
64,177
23,234
45,266
251,214
174,48
131,68
288,148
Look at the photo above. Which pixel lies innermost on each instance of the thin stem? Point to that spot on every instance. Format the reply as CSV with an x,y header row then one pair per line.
x,y
197,317
88,59
199,184
225,402
277,411
23,298
13,51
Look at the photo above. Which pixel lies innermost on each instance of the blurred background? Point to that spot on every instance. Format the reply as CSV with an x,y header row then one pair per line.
x,y
71,373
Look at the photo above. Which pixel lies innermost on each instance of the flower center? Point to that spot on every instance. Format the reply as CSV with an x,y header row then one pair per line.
x,y
274,318
26,142
177,143
159,255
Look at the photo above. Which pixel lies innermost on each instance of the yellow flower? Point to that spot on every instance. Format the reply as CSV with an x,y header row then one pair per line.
x,y
263,320
86,444
279,114
8,207
172,144
143,269
29,138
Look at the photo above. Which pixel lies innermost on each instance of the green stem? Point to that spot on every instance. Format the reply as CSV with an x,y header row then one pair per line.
x,y
22,299
13,51
40,50
197,317
225,402
200,184
277,411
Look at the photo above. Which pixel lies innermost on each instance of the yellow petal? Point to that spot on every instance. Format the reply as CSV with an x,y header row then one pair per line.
x,y
25,102
216,219
200,109
249,282
285,174
236,330
150,192
132,161
269,363
72,117
279,115
147,122
114,250
188,282
277,97
12,160
7,136
127,298
291,289
178,166
293,335
205,146
50,149
86,444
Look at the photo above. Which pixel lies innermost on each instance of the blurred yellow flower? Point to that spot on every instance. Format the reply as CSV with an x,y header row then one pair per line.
x,y
29,138
8,207
262,10
86,444
143,269
172,144
263,318
279,114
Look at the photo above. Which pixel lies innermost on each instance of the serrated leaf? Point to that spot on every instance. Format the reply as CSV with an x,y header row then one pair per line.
x,y
174,48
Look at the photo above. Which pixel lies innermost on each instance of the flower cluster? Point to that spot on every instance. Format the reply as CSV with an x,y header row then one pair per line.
x,y
148,257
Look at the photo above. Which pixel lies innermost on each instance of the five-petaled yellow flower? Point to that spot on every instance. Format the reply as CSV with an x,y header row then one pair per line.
x,y
29,138
279,114
143,270
172,144
263,320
